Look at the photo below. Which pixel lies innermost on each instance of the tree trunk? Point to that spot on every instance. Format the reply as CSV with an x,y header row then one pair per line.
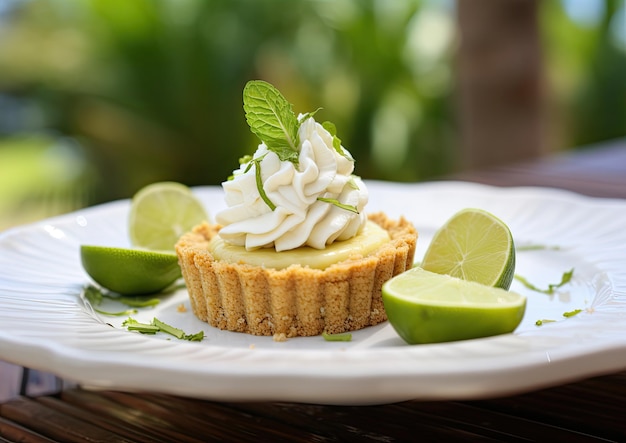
x,y
501,82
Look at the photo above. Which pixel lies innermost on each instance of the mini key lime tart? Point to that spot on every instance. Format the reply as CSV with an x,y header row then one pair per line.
x,y
294,253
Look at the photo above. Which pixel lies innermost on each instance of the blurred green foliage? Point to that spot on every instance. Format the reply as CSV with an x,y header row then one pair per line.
x,y
39,177
150,90
585,53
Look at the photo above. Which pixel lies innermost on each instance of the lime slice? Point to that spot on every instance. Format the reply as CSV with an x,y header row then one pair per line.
x,y
160,213
130,271
425,307
473,245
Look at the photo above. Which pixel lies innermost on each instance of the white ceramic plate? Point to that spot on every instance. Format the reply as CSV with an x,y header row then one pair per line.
x,y
46,325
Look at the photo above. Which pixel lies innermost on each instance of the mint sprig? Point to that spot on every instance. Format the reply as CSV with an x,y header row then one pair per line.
x,y
271,119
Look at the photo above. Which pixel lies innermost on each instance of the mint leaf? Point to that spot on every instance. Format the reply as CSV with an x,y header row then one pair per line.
x,y
271,118
332,129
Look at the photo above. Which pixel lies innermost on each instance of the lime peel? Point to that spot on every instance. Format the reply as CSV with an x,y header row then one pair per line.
x,y
426,307
130,271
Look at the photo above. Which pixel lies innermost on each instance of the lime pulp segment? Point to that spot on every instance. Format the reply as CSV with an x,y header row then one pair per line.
x,y
160,213
473,245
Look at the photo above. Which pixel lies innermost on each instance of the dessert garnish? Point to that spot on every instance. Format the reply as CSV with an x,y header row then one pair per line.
x,y
568,314
345,336
552,287
130,271
95,296
425,307
297,189
159,214
159,326
460,291
293,253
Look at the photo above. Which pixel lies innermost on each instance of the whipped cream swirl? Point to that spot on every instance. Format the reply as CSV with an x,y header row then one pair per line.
x,y
299,217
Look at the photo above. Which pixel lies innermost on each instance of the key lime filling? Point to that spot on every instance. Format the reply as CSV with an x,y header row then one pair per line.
x,y
363,244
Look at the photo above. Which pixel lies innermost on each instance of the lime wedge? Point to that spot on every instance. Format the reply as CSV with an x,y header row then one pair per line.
x,y
425,307
160,213
130,271
473,245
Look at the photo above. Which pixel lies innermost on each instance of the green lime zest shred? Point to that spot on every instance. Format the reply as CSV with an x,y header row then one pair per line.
x,y
565,278
159,326
352,183
537,247
337,203
116,313
136,302
337,337
259,181
95,296
164,327
572,313
567,314
145,328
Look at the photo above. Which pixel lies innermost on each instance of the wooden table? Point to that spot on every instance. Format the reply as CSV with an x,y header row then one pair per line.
x,y
589,410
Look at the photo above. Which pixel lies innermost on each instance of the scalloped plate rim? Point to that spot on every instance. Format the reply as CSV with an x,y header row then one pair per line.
x,y
339,373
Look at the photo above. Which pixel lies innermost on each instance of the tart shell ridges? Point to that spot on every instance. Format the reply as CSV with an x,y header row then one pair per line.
x,y
297,300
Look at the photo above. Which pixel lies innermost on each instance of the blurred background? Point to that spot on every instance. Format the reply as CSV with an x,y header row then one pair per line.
x,y
101,97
